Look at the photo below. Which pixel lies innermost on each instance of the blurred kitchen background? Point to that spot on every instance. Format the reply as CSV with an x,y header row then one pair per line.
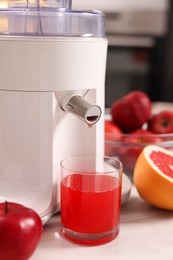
x,y
140,51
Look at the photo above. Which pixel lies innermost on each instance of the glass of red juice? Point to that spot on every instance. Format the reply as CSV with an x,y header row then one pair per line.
x,y
90,199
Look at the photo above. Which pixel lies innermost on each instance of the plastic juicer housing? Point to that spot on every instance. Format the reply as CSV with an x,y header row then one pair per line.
x,y
52,73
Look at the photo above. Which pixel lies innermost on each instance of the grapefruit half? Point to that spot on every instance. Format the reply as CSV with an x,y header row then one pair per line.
x,y
153,176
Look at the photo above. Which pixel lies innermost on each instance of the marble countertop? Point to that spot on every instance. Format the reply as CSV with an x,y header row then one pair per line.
x,y
145,232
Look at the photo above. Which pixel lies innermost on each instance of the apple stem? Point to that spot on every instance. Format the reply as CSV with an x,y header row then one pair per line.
x,y
6,206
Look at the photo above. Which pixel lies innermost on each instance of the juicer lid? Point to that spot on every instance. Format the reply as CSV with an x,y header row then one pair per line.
x,y
49,18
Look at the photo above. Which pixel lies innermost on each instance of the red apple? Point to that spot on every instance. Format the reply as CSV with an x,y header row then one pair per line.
x,y
131,111
132,145
112,134
112,128
161,123
20,231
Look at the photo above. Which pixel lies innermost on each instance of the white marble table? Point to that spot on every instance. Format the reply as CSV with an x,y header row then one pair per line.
x,y
145,233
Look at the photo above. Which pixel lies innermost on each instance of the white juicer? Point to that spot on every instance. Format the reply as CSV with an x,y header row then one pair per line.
x,y
52,74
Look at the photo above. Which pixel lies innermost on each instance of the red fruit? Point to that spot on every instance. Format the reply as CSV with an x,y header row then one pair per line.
x,y
112,134
161,123
110,127
132,111
141,136
20,231
132,145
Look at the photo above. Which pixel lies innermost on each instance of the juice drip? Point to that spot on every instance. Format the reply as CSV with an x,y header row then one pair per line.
x,y
90,125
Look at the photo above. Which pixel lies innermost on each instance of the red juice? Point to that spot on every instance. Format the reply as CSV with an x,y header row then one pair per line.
x,y
90,204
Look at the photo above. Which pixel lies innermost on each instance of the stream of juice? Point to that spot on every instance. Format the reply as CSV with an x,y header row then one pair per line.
x,y
90,203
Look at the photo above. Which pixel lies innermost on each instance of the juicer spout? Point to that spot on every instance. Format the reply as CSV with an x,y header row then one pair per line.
x,y
80,107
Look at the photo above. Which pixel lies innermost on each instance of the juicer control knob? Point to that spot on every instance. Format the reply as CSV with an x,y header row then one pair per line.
x,y
80,107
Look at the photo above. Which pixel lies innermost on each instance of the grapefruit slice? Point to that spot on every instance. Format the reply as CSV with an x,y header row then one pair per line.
x,y
153,176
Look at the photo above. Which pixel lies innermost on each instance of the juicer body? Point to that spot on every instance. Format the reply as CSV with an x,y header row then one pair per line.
x,y
36,133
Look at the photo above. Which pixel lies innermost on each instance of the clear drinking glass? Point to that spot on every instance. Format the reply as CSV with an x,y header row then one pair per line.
x,y
90,198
